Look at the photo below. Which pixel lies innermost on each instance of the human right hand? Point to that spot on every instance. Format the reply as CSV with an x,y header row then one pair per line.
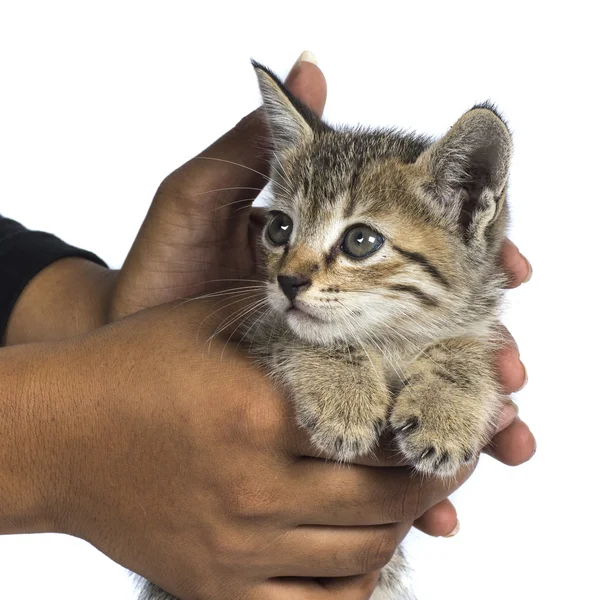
x,y
202,482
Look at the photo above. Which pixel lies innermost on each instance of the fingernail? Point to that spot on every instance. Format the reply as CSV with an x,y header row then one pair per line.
x,y
454,532
530,271
508,413
307,56
524,378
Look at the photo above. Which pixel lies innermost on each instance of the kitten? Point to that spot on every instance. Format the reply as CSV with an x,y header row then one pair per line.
x,y
384,284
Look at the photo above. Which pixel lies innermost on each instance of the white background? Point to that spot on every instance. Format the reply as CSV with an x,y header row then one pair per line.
x,y
100,100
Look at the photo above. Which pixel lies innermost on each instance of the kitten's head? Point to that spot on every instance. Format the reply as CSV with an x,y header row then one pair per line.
x,y
378,234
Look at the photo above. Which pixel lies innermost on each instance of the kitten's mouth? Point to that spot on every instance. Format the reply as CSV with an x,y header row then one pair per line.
x,y
300,311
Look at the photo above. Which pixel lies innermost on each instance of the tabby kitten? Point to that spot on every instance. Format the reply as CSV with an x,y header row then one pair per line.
x,y
384,283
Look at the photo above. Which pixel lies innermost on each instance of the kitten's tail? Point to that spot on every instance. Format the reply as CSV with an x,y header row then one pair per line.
x,y
394,580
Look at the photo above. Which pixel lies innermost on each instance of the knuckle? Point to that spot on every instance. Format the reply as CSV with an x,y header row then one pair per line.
x,y
186,189
174,193
230,547
226,549
260,422
241,549
251,500
170,187
403,503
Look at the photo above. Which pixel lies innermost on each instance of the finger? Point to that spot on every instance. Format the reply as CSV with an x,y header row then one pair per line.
x,y
517,267
322,551
365,496
511,371
307,82
227,176
514,445
359,587
297,442
440,520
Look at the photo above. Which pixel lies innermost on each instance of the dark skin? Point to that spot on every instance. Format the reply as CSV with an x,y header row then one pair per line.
x,y
190,238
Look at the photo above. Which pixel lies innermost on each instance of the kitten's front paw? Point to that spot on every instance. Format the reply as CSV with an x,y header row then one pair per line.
x,y
436,442
427,451
346,440
340,398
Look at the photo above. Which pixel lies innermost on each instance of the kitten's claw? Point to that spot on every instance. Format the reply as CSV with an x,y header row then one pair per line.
x,y
344,435
427,452
412,423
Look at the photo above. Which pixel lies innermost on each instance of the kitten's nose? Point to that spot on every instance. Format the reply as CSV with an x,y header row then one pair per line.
x,y
291,285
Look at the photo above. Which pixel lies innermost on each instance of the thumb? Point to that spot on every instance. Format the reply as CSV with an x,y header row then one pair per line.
x,y
230,173
194,219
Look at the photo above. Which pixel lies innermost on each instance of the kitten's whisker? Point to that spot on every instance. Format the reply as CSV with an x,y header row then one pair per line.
x,y
230,292
225,296
238,279
230,319
229,189
256,324
259,282
249,313
242,314
225,292
230,162
245,299
245,200
240,209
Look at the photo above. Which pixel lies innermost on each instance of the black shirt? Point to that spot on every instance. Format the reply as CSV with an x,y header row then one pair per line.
x,y
23,254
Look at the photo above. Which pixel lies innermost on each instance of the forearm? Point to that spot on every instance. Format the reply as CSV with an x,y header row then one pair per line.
x,y
34,414
69,297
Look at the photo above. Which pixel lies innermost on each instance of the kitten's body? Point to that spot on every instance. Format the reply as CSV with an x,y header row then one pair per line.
x,y
400,338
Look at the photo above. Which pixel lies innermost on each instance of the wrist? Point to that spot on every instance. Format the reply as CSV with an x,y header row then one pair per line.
x,y
33,419
51,412
69,297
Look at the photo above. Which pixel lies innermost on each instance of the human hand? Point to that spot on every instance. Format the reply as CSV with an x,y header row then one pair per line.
x,y
197,233
203,483
197,230
195,239
193,235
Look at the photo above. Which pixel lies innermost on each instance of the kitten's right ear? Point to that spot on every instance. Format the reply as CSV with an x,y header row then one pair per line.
x,y
291,123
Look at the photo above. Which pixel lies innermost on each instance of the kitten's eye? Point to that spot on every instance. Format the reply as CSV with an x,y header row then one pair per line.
x,y
361,241
280,229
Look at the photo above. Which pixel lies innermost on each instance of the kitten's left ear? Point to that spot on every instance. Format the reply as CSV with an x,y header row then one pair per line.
x,y
468,169
290,121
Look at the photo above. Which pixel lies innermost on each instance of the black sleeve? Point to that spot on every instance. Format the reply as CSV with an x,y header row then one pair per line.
x,y
23,254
